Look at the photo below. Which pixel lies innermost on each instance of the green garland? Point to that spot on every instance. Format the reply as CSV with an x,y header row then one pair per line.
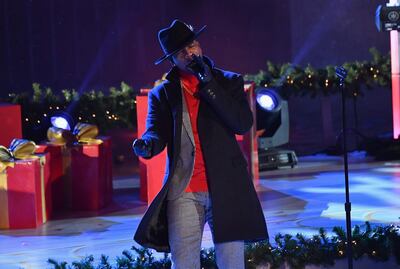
x,y
117,108
378,243
293,80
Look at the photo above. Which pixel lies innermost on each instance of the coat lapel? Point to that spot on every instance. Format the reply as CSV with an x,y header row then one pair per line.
x,y
173,95
177,102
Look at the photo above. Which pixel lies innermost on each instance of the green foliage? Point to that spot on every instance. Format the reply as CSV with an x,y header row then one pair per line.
x,y
107,109
297,251
57,265
293,80
85,263
104,263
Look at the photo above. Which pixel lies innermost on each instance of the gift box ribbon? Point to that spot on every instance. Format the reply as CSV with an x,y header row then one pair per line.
x,y
83,133
4,222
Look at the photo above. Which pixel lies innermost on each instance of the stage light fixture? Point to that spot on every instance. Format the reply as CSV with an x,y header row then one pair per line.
x,y
387,18
272,119
62,120
268,100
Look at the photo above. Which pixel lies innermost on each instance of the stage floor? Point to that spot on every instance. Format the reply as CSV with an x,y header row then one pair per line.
x,y
301,199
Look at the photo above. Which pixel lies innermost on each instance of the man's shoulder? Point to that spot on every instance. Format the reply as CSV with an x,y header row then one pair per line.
x,y
227,74
160,88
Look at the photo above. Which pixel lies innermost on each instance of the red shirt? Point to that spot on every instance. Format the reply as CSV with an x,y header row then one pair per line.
x,y
198,182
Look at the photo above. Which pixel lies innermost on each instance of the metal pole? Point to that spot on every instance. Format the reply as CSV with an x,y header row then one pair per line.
x,y
342,73
347,205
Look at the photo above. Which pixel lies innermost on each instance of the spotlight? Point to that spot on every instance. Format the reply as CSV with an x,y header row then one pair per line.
x,y
62,120
268,100
272,118
272,115
387,18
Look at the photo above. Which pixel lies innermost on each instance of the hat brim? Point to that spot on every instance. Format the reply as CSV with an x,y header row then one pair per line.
x,y
184,44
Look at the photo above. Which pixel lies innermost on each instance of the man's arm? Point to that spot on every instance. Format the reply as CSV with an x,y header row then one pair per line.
x,y
154,139
230,103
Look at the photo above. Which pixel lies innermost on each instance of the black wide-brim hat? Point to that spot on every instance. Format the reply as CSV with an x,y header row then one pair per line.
x,y
174,38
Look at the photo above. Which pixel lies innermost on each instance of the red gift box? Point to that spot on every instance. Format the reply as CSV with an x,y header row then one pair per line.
x,y
24,189
60,169
91,175
80,175
10,118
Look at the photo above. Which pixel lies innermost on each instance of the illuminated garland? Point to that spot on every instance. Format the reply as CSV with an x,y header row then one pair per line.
x,y
117,108
378,244
292,80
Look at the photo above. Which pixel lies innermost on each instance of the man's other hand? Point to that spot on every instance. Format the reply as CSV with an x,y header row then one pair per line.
x,y
200,69
142,148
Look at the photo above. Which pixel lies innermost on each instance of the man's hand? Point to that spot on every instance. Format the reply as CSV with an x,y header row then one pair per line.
x,y
200,69
142,148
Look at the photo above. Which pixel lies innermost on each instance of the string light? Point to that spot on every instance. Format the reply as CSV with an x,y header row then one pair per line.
x,y
309,76
38,121
80,118
45,115
94,115
57,107
26,119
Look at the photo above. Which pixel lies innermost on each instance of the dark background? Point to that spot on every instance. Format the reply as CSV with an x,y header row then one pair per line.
x,y
86,44
99,43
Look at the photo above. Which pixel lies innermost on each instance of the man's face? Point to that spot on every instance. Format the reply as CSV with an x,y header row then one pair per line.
x,y
184,56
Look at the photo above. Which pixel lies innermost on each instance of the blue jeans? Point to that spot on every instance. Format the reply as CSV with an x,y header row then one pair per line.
x,y
186,218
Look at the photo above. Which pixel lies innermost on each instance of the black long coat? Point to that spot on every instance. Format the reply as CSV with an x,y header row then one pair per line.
x,y
223,112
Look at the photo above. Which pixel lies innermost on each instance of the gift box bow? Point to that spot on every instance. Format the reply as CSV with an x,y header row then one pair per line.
x,y
83,133
19,149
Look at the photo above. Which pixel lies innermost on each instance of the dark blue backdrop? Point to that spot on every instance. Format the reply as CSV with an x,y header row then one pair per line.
x,y
98,43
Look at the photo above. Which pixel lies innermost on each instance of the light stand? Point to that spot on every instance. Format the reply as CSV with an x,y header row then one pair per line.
x,y
342,73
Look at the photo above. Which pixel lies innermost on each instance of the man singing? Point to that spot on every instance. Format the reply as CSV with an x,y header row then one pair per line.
x,y
196,113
